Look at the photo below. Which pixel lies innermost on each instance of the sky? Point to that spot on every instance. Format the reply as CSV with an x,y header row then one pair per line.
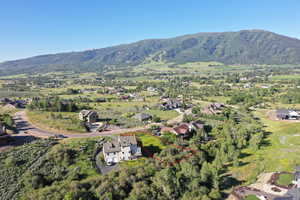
x,y
36,27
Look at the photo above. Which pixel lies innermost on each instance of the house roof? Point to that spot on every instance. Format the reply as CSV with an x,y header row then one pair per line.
x,y
86,113
125,141
294,193
287,112
198,125
217,105
111,146
283,111
182,129
117,142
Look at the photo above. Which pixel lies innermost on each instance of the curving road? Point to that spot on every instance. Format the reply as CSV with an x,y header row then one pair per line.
x,y
25,127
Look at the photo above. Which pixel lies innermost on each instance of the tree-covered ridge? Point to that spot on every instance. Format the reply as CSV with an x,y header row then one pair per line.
x,y
243,47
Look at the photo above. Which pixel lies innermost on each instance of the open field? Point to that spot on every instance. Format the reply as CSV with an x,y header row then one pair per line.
x,y
280,151
56,121
286,77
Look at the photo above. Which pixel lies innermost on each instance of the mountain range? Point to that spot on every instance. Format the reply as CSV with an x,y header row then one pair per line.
x,y
242,47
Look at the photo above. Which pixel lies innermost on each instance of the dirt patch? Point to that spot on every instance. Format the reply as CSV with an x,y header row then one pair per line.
x,y
264,183
241,192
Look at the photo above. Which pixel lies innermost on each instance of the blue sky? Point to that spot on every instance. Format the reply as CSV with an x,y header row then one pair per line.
x,y
34,27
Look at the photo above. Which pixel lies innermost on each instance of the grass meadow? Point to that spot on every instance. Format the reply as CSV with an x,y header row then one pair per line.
x,y
280,151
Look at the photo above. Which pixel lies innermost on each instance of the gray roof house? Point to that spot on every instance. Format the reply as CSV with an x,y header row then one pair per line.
x,y
171,104
287,114
88,116
121,148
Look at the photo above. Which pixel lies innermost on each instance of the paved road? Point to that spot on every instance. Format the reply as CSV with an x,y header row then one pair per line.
x,y
25,127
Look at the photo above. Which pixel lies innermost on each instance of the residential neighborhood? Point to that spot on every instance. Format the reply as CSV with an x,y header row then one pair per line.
x,y
150,100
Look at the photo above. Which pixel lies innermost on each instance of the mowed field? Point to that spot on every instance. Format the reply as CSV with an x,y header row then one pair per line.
x,y
280,152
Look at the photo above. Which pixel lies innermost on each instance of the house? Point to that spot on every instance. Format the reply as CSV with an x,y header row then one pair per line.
x,y
121,148
184,130
217,106
151,89
214,108
287,114
142,117
88,116
171,104
13,103
247,85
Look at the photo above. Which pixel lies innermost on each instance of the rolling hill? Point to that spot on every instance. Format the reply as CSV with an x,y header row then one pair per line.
x,y
242,47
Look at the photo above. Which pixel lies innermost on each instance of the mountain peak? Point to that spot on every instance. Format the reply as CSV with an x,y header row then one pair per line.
x,y
243,47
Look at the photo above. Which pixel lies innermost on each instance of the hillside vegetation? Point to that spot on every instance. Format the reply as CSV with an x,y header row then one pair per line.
x,y
243,47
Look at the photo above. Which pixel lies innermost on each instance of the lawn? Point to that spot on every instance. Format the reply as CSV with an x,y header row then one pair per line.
x,y
149,140
280,151
54,121
251,197
285,179
151,144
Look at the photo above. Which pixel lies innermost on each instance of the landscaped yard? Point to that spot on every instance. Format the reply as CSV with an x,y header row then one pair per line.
x,y
149,140
151,144
285,179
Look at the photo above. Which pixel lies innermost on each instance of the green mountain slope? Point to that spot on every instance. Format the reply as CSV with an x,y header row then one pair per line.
x,y
243,47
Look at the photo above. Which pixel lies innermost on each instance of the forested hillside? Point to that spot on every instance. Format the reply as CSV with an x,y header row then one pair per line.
x,y
243,47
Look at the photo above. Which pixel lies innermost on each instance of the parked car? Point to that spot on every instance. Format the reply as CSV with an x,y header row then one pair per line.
x,y
60,136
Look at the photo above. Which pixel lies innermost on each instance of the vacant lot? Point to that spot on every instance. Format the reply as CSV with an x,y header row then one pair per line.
x,y
63,121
